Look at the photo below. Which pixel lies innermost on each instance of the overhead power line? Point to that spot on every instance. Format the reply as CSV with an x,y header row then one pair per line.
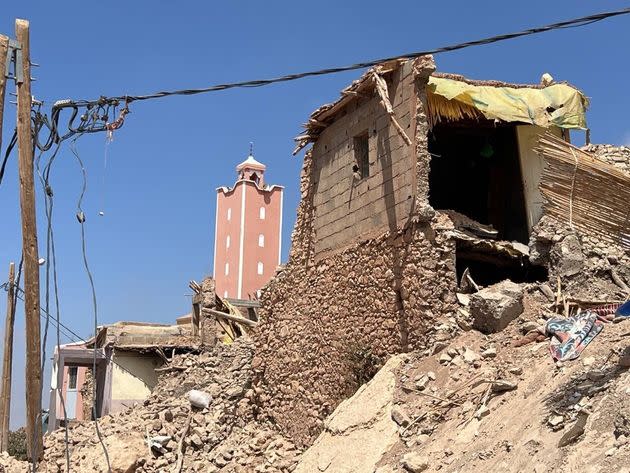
x,y
103,114
573,23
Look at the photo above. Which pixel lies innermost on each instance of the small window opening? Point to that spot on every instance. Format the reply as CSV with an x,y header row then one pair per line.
x,y
361,156
260,268
72,377
262,213
227,269
229,214
261,240
227,241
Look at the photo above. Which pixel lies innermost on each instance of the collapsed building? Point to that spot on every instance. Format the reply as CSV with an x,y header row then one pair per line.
x,y
128,356
418,184
421,195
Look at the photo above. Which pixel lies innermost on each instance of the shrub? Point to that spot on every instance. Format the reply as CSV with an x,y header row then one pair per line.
x,y
17,444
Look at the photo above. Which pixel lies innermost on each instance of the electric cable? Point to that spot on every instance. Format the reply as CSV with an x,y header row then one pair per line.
x,y
7,153
96,117
81,218
572,23
95,114
51,257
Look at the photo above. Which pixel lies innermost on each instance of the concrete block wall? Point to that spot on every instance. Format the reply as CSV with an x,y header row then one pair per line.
x,y
345,208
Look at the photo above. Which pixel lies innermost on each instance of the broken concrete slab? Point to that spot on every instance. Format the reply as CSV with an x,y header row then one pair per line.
x,y
364,419
494,307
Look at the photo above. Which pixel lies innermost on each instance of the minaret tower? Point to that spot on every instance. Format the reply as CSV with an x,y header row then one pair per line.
x,y
248,232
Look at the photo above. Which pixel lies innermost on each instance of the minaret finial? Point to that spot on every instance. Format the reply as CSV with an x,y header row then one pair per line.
x,y
251,148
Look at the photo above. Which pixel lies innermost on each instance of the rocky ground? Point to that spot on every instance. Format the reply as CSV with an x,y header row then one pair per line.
x,y
473,402
485,396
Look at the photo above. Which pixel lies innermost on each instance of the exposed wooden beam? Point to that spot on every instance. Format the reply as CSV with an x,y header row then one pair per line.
x,y
233,318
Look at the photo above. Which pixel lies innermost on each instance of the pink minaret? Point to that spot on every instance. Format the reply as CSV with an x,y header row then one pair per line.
x,y
248,232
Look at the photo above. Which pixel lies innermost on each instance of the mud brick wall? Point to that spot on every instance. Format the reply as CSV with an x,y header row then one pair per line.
x,y
351,297
346,207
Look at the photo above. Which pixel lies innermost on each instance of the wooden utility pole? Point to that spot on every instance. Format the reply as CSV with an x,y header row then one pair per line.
x,y
29,249
5,388
4,48
7,363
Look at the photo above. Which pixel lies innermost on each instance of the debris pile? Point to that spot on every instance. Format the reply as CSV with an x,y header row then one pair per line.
x,y
168,433
618,156
484,404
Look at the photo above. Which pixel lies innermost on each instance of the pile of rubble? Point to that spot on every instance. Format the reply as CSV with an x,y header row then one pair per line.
x,y
168,433
488,403
618,156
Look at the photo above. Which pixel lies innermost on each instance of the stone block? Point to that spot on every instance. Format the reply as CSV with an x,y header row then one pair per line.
x,y
494,307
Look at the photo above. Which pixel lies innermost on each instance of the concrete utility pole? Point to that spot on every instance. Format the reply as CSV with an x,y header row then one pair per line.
x,y
29,249
7,363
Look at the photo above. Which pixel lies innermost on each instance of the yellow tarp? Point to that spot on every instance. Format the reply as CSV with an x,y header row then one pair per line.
x,y
557,104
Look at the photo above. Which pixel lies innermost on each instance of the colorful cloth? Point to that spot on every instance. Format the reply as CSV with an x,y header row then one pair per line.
x,y
623,310
605,310
571,336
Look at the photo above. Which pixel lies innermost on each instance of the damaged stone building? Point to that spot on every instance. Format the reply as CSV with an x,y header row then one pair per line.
x,y
126,355
416,183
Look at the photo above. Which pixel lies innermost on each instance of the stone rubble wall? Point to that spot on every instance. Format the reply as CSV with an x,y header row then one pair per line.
x,y
326,321
583,261
322,324
618,156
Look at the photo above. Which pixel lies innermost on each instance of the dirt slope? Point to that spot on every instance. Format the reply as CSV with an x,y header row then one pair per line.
x,y
443,423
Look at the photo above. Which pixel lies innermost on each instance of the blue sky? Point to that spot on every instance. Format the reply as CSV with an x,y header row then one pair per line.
x,y
165,163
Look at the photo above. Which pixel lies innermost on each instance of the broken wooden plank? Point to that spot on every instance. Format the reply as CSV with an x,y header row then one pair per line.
x,y
381,88
245,303
180,444
233,318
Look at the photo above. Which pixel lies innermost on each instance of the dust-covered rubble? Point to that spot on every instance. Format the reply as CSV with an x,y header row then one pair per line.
x,y
618,156
221,437
484,403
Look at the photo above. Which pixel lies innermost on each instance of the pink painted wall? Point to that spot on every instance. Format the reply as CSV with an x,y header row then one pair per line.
x,y
269,227
227,202
249,229
78,411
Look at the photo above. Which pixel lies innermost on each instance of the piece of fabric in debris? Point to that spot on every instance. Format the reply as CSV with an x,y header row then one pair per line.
x,y
623,310
570,336
558,104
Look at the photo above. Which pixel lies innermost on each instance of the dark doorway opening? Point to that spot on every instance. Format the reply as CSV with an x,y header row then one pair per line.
x,y
475,170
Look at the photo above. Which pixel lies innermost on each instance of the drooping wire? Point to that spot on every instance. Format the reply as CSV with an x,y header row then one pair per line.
x,y
81,218
51,259
95,117
108,141
7,153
